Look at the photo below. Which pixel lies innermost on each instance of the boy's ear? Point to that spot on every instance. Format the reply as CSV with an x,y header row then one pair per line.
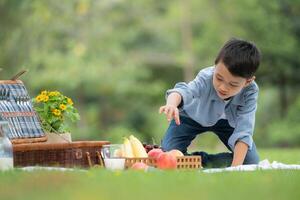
x,y
248,81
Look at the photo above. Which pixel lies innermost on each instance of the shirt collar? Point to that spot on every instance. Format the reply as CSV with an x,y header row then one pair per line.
x,y
239,99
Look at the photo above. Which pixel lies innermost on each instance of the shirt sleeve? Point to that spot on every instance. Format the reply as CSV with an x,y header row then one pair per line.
x,y
245,121
189,90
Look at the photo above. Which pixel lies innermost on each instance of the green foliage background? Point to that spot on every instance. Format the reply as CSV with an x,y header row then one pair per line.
x,y
116,59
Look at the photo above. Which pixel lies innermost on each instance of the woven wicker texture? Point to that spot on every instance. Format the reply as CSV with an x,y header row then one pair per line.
x,y
75,154
184,162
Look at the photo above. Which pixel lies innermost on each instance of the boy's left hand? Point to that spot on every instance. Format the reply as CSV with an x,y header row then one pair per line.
x,y
240,151
171,112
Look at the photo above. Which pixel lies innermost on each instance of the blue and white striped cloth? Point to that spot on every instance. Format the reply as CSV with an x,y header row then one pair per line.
x,y
16,108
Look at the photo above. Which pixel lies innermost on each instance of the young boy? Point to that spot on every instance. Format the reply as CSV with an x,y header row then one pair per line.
x,y
221,99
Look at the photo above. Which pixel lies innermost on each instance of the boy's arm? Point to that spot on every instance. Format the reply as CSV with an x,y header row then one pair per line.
x,y
189,90
239,154
241,140
174,99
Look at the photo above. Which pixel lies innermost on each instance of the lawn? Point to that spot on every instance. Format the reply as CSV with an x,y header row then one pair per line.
x,y
103,184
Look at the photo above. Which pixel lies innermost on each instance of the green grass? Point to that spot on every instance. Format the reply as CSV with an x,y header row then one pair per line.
x,y
103,184
289,156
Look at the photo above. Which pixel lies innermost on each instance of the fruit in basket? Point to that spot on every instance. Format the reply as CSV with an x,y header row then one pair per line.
x,y
154,153
176,153
137,147
140,166
128,152
166,161
147,147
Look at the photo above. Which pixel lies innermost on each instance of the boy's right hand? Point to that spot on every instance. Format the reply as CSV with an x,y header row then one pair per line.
x,y
171,112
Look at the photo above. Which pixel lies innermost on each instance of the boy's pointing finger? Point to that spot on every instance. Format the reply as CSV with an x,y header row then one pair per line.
x,y
161,109
176,117
170,114
166,110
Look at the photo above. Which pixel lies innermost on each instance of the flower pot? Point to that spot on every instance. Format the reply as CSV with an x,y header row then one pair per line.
x,y
58,138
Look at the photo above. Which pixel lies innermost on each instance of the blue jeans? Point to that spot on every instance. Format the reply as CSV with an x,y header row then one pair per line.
x,y
180,137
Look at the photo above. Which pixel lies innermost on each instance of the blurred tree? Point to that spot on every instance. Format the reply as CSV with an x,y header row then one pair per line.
x,y
117,58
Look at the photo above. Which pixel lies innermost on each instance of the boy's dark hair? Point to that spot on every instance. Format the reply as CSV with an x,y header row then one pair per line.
x,y
241,58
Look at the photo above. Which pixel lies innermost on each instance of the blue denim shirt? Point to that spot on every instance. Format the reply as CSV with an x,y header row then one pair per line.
x,y
202,104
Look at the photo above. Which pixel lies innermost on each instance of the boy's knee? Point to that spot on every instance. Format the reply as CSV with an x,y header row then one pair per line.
x,y
168,143
164,145
168,146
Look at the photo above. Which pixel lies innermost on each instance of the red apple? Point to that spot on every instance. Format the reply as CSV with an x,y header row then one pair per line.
x,y
139,166
154,153
176,153
166,161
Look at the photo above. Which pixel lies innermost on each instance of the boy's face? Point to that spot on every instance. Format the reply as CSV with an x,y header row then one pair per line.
x,y
227,85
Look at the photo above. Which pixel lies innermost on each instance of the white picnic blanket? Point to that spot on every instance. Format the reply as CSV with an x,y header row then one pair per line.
x,y
262,165
34,168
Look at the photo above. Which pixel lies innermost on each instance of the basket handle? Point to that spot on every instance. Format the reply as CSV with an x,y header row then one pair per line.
x,y
101,163
15,77
89,159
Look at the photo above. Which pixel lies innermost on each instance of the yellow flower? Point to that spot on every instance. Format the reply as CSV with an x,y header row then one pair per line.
x,y
70,101
44,92
62,106
45,98
55,93
52,94
56,112
39,98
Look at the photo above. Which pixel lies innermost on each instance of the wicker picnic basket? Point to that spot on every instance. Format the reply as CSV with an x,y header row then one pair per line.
x,y
183,162
81,154
29,139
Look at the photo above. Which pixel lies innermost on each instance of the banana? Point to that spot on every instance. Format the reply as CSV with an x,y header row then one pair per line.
x,y
128,153
137,147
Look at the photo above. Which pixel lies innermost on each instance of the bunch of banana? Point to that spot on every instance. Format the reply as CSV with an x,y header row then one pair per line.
x,y
137,147
134,148
128,153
